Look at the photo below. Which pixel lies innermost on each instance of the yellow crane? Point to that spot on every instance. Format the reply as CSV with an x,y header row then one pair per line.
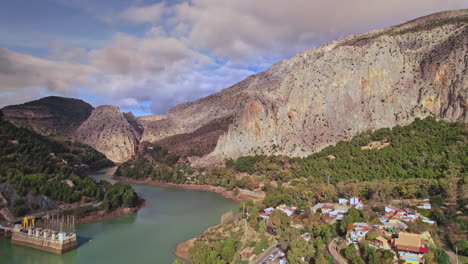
x,y
28,222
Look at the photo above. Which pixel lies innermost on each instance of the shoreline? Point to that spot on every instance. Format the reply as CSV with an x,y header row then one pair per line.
x,y
182,249
241,197
102,215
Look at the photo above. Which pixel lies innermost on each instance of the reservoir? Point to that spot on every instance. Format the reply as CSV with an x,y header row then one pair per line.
x,y
150,235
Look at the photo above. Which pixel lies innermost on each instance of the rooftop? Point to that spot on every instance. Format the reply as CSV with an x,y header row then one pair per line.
x,y
408,239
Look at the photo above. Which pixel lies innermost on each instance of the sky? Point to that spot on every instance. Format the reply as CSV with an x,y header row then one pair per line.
x,y
148,56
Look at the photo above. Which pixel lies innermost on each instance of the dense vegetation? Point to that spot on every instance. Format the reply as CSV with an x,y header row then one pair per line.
x,y
427,159
156,162
217,253
423,159
223,243
425,149
152,161
23,150
33,165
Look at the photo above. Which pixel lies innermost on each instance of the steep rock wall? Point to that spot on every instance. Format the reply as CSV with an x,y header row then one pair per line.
x,y
109,132
381,79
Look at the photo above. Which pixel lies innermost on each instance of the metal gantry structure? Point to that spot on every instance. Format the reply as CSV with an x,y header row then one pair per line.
x,y
60,223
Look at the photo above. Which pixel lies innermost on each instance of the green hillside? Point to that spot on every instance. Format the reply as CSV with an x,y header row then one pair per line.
x,y
425,158
32,165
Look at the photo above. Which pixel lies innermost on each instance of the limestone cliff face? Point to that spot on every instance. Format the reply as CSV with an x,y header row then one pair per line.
x,y
381,79
144,121
109,132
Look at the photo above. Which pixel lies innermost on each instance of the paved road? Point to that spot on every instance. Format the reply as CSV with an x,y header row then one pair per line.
x,y
264,256
336,256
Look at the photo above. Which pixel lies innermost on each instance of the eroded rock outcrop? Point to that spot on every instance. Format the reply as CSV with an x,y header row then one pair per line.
x,y
109,132
144,121
380,79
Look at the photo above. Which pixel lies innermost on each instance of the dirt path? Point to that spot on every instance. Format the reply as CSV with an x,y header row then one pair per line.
x,y
336,256
448,250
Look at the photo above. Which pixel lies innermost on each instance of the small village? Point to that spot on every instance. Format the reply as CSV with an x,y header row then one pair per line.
x,y
389,233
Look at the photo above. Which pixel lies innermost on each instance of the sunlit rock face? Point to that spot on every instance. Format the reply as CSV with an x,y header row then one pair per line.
x,y
105,127
380,79
110,133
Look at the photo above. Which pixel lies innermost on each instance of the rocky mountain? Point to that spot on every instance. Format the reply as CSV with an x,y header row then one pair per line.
x,y
109,132
299,106
39,173
51,115
380,79
148,119
105,128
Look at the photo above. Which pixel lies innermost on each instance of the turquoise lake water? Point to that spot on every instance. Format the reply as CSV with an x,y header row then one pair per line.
x,y
171,216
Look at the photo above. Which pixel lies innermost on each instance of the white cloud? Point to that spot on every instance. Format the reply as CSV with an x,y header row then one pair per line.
x,y
137,56
196,48
62,51
156,31
144,14
163,70
20,71
129,102
248,32
173,86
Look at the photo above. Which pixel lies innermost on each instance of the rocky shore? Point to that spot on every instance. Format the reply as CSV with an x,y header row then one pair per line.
x,y
243,195
102,215
182,249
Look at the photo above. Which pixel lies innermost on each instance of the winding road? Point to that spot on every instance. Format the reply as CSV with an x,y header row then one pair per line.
x,y
336,256
264,256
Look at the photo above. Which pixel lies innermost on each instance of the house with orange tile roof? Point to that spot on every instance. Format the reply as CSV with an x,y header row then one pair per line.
x,y
408,242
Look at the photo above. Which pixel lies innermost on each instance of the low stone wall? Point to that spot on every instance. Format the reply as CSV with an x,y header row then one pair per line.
x,y
54,246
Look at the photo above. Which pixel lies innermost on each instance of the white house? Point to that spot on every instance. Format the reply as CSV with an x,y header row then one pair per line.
x,y
342,200
287,210
265,213
357,231
325,207
355,200
425,206
390,208
338,212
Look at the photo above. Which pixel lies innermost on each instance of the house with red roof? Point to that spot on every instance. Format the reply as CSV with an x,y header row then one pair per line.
x,y
358,231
